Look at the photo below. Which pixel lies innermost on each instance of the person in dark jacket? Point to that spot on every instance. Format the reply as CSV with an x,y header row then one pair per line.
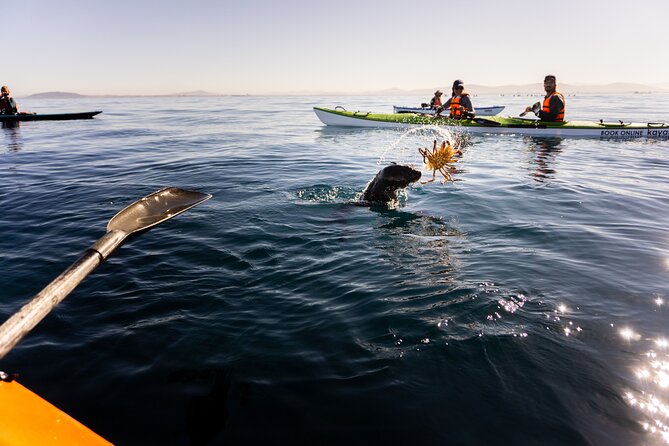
x,y
7,104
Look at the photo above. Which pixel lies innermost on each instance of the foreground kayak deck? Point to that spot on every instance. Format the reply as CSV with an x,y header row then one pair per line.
x,y
496,124
30,420
48,116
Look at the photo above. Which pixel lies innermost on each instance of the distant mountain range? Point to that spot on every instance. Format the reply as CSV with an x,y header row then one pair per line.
x,y
537,88
68,95
55,95
618,87
196,93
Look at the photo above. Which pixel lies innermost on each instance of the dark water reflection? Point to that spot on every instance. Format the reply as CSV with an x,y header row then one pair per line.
x,y
13,136
546,150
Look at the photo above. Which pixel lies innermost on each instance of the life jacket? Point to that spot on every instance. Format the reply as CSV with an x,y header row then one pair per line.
x,y
457,109
435,102
546,107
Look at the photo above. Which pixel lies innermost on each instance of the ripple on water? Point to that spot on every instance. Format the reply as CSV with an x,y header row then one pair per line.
x,y
534,283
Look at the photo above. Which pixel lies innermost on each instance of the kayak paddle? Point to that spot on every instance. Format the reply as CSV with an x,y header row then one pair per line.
x,y
535,109
134,219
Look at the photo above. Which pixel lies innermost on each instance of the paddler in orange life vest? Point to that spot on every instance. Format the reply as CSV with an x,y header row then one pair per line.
x,y
459,105
552,109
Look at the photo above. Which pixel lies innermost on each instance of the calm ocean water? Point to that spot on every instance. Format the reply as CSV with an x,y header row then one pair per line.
x,y
525,303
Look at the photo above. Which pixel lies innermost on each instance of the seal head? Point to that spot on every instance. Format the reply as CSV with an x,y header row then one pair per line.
x,y
383,188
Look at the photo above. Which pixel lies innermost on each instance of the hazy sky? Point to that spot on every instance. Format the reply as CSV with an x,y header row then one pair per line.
x,y
283,46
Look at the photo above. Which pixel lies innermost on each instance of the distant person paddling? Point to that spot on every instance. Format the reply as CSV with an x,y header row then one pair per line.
x,y
435,102
8,105
552,109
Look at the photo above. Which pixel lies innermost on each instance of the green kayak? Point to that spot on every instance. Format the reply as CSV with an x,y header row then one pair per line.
x,y
496,124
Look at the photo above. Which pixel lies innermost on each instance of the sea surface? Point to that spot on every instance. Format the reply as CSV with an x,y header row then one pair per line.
x,y
524,303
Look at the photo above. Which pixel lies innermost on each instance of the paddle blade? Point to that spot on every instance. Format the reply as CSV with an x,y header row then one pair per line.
x,y
535,109
155,209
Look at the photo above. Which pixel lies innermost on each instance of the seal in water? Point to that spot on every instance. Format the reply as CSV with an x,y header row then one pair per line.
x,y
383,188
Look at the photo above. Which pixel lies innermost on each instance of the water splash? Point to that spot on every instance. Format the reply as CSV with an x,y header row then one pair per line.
x,y
405,149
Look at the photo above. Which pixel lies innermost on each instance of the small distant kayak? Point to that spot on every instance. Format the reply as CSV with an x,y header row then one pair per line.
x,y
480,111
496,124
48,116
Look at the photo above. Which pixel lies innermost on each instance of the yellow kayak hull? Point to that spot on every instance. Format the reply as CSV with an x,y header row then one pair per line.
x,y
27,419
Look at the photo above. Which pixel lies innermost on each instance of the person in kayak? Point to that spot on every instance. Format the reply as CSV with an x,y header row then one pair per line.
x,y
435,102
460,104
7,104
553,106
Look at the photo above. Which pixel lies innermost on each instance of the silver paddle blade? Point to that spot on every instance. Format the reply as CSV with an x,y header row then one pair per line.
x,y
143,214
155,208
535,109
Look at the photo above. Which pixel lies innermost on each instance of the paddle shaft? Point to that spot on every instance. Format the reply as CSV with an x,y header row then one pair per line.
x,y
22,322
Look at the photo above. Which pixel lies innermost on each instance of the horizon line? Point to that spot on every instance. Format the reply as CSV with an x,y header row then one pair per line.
x,y
532,88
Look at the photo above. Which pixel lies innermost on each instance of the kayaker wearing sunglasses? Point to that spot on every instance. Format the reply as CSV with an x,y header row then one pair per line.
x,y
460,104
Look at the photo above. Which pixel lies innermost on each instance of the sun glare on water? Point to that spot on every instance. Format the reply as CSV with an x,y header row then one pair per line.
x,y
652,373
629,335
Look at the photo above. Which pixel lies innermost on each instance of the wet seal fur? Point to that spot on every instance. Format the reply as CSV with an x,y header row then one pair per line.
x,y
383,188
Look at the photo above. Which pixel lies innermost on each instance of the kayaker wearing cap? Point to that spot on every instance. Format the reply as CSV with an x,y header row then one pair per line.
x,y
435,102
7,104
460,104
552,109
